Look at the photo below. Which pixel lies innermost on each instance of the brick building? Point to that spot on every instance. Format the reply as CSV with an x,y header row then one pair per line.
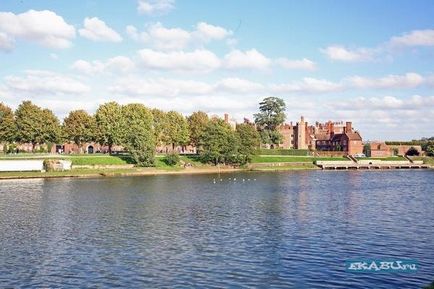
x,y
329,136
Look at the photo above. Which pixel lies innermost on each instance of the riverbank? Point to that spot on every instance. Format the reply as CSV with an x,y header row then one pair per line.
x,y
110,166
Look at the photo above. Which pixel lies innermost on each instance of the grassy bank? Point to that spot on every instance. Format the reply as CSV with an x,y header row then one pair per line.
x,y
292,159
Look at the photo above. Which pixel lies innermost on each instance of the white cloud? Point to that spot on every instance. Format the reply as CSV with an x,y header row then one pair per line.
x,y
341,53
209,32
117,64
163,38
96,30
387,103
134,86
39,82
197,60
239,85
155,6
407,80
307,85
303,64
44,27
6,42
414,38
250,59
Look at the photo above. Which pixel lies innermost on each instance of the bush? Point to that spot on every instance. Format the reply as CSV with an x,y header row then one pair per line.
x,y
412,152
171,159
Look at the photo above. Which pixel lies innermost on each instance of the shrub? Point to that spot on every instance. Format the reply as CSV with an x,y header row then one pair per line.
x,y
171,159
412,152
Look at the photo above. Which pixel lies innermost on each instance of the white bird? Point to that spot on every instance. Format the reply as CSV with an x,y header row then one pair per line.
x,y
235,179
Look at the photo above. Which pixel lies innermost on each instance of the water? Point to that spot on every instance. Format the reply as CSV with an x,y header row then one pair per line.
x,y
282,230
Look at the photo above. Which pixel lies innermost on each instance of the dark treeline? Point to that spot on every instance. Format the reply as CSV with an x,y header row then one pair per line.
x,y
140,130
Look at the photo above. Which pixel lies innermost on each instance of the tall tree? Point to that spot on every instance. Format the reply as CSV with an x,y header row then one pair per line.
x,y
218,143
177,129
249,141
271,115
79,127
36,125
197,122
139,136
8,127
160,126
52,131
110,124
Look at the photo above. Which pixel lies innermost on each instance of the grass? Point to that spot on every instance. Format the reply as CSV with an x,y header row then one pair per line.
x,y
289,167
293,159
396,158
426,160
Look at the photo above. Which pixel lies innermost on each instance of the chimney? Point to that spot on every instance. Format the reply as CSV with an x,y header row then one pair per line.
x,y
348,127
226,118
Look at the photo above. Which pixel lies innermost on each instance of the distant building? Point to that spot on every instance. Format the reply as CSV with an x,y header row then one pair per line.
x,y
380,149
329,136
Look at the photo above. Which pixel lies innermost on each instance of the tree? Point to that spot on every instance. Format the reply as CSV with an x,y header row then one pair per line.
x,y
79,127
160,126
197,122
218,143
8,127
139,136
110,124
177,129
36,125
430,150
271,115
52,131
367,149
249,141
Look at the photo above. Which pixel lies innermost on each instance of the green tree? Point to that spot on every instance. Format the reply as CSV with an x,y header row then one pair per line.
x,y
8,127
52,131
197,122
219,143
139,136
160,126
177,129
271,115
110,124
36,125
367,149
249,141
79,127
430,150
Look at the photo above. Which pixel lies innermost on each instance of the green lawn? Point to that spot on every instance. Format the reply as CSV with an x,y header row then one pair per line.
x,y
293,159
396,158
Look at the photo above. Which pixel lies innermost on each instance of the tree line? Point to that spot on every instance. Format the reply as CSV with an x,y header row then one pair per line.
x,y
140,130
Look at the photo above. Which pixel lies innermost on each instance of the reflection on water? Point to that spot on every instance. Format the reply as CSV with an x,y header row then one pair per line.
x,y
289,229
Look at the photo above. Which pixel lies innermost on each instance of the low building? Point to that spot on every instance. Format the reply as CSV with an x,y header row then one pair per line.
x,y
380,149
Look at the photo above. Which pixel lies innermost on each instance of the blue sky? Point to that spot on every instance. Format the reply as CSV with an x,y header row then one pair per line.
x,y
366,61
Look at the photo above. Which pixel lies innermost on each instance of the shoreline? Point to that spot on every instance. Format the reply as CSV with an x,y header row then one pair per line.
x,y
107,173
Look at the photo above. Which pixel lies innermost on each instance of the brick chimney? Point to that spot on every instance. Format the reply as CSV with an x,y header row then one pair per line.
x,y
226,118
348,126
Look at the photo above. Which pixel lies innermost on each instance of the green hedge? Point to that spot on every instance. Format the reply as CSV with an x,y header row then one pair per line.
x,y
282,152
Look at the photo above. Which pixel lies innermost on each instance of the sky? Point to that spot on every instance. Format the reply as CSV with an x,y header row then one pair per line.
x,y
369,62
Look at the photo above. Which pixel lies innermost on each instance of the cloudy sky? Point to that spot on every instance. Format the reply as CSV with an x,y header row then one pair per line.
x,y
371,62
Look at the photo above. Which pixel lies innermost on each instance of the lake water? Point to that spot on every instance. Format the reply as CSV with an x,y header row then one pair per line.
x,y
276,230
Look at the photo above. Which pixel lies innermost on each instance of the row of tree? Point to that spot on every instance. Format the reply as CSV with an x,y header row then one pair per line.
x,y
140,129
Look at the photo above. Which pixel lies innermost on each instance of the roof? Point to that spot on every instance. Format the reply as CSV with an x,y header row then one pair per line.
x,y
354,136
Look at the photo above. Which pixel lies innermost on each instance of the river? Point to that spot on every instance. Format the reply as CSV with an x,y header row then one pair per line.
x,y
238,230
